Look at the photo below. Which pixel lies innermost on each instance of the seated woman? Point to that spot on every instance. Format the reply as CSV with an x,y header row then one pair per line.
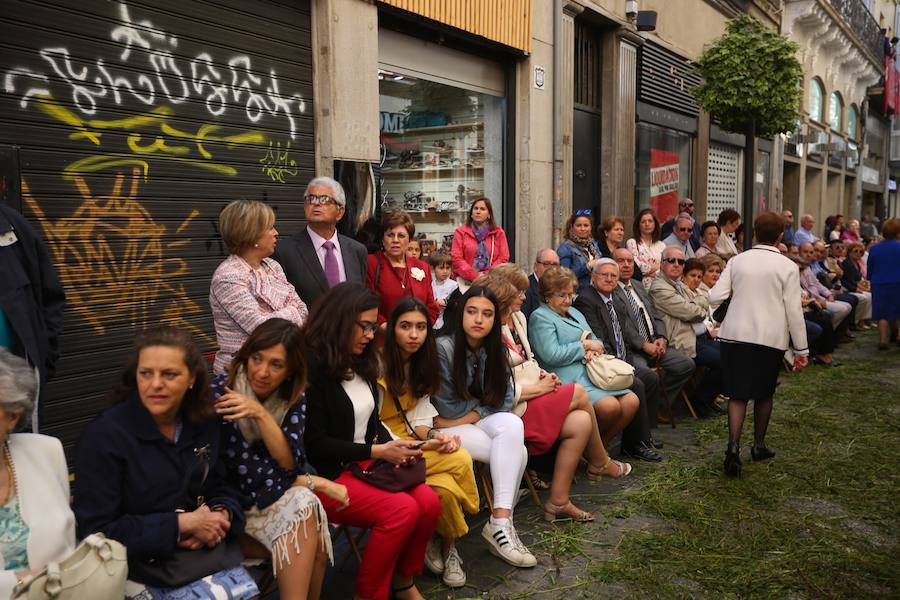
x,y
261,401
248,287
148,475
411,376
343,427
646,246
580,250
551,410
707,352
36,524
473,403
556,334
855,282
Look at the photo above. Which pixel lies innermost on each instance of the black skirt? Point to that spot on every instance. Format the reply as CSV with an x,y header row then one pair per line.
x,y
749,371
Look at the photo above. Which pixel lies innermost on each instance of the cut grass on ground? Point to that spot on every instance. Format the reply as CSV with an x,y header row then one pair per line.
x,y
818,521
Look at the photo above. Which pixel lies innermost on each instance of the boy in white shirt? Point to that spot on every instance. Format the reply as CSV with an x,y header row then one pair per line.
x,y
441,284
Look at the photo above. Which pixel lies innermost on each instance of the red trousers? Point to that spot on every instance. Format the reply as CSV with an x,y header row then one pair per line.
x,y
401,524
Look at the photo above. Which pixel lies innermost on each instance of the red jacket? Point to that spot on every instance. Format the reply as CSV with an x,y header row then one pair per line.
x,y
465,247
390,288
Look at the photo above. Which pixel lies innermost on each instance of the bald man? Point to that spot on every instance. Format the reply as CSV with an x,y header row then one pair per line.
x,y
805,234
546,258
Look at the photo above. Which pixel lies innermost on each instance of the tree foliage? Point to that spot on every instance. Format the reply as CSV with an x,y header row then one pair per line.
x,y
750,73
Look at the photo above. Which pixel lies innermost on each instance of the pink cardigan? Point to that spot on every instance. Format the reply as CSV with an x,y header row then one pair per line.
x,y
465,247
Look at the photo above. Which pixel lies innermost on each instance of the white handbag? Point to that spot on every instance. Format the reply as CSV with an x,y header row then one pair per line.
x,y
97,569
609,373
525,373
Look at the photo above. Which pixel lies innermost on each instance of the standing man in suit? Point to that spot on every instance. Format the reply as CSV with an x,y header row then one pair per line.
x,y
596,304
318,258
645,330
545,259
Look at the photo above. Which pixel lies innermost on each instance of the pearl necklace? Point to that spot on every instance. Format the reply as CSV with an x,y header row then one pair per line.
x,y
12,485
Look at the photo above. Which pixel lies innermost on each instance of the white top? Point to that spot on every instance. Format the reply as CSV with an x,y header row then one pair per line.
x,y
648,258
318,240
43,501
765,308
442,291
725,246
363,401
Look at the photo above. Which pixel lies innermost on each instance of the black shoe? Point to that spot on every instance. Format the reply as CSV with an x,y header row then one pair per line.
x,y
761,453
732,464
656,443
643,452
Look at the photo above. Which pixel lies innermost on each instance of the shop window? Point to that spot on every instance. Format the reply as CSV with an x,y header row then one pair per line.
x,y
852,121
835,111
761,183
442,147
663,169
816,95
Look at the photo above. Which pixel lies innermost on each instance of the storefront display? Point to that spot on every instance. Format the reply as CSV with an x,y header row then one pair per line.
x,y
442,147
663,174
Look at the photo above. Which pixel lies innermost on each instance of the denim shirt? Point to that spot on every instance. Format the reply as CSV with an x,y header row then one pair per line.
x,y
446,401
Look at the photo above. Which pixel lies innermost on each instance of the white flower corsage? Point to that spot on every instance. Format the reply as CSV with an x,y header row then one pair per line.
x,y
417,273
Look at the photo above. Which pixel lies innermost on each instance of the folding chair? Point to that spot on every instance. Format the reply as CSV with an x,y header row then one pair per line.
x,y
487,491
665,394
352,542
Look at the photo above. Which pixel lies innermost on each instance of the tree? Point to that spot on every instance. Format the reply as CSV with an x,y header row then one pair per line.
x,y
751,84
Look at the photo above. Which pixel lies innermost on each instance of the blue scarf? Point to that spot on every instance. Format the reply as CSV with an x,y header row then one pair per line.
x,y
482,261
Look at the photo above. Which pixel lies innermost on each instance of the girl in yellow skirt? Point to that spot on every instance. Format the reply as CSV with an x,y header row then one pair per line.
x,y
411,376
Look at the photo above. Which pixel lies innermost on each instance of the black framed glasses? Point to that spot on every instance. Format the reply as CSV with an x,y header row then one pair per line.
x,y
674,261
583,212
319,199
367,326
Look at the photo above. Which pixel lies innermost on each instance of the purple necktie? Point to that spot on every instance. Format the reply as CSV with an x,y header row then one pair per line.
x,y
332,272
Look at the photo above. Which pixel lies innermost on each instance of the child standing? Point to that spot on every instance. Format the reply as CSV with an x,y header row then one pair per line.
x,y
441,284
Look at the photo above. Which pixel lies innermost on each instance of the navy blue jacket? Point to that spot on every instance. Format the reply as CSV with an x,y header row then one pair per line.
x,y
532,296
31,295
129,479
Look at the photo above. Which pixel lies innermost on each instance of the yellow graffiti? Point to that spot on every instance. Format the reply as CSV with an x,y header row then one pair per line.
x,y
146,145
132,286
276,164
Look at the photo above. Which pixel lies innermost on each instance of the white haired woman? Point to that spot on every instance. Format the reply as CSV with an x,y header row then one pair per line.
x,y
36,524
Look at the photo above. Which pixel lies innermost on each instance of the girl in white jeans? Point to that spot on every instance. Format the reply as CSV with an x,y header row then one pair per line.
x,y
474,402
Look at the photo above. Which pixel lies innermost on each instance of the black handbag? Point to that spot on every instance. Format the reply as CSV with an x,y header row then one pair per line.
x,y
722,310
185,566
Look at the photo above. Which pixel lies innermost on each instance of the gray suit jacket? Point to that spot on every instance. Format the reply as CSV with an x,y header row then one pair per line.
x,y
631,328
301,265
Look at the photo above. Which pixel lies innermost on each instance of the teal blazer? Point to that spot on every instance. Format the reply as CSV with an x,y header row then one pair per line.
x,y
556,343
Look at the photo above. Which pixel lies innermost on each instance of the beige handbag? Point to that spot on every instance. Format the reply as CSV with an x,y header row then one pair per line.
x,y
609,373
97,569
525,373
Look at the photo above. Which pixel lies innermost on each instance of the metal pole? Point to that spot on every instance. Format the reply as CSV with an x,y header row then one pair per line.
x,y
749,182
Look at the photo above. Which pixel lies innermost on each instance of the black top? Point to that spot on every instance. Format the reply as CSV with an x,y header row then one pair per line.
x,y
330,424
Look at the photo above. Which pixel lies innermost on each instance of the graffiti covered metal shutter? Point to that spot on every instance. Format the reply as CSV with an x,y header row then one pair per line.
x,y
136,123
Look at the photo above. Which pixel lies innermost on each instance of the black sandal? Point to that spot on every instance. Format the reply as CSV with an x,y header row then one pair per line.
x,y
395,591
536,481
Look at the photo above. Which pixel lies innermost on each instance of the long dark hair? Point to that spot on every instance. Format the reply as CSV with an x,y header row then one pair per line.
x,y
490,208
424,376
330,329
496,367
270,334
636,226
197,404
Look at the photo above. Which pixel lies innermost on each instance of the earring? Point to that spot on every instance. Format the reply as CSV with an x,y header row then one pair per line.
x,y
256,245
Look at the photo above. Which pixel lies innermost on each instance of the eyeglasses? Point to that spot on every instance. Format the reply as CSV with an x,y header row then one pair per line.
x,y
674,261
319,199
367,326
583,212
547,263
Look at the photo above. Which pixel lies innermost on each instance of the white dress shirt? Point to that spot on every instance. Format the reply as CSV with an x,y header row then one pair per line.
x,y
318,240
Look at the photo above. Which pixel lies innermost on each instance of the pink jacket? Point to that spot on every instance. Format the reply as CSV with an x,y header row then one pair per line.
x,y
465,247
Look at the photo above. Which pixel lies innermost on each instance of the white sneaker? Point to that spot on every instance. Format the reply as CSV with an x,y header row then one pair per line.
x,y
434,562
454,576
505,544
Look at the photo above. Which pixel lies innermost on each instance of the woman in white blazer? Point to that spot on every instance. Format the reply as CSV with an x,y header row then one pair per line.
x,y
36,524
764,318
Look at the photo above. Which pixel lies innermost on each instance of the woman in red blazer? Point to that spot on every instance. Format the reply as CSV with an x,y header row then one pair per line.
x,y
392,275
480,244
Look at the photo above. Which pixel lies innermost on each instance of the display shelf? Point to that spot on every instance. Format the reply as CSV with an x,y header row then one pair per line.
x,y
387,170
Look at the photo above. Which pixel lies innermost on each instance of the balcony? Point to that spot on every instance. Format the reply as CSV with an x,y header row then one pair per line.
x,y
862,23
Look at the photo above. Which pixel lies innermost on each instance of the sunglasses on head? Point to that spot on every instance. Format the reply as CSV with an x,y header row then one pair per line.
x,y
583,212
674,261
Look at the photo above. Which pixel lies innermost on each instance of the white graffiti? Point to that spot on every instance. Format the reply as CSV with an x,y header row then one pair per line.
x,y
164,77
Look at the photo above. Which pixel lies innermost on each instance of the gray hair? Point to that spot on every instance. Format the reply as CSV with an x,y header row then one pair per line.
x,y
670,249
604,261
339,197
18,385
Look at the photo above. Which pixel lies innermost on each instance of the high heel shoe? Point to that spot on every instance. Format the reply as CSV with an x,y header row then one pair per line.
x,y
567,511
620,470
761,453
732,464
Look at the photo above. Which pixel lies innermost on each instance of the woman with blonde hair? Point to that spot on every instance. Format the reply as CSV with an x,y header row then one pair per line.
x,y
248,287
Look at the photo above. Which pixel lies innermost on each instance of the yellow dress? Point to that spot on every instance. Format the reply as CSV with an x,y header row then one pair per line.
x,y
451,475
